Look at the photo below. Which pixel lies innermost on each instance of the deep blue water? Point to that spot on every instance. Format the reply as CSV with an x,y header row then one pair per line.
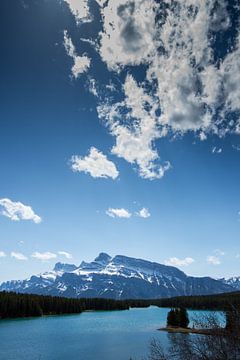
x,y
101,335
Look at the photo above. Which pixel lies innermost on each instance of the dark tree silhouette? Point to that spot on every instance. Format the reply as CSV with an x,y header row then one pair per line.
x,y
178,317
14,305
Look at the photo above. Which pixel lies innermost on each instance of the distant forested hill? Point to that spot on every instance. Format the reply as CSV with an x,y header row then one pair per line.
x,y
202,302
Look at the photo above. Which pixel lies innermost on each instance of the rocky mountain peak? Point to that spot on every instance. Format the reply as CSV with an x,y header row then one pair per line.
x,y
103,258
64,267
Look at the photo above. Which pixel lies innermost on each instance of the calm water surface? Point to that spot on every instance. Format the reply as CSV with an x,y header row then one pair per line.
x,y
101,335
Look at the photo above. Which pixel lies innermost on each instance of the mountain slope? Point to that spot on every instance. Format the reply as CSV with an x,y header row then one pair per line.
x,y
120,277
233,281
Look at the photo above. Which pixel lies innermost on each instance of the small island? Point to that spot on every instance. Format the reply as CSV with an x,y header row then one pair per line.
x,y
178,321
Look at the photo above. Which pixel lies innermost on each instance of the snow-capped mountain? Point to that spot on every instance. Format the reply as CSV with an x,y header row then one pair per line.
x,y
118,277
233,281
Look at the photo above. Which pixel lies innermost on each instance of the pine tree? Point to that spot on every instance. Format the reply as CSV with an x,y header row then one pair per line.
x,y
172,318
183,318
178,317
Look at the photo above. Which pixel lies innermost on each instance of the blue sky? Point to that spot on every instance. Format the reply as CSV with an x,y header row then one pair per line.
x,y
118,136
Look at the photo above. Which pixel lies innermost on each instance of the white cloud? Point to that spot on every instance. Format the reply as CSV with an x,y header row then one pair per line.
x,y
216,150
202,136
121,213
2,254
17,211
80,63
18,256
214,260
230,73
80,10
144,213
66,254
136,131
174,261
93,87
96,164
128,32
187,63
44,256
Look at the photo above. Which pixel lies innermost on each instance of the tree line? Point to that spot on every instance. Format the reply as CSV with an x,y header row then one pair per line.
x,y
23,305
202,302
195,302
14,305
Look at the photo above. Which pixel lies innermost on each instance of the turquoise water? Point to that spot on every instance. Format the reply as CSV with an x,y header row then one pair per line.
x,y
101,335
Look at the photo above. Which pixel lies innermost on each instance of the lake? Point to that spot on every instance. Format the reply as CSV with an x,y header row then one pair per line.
x,y
96,335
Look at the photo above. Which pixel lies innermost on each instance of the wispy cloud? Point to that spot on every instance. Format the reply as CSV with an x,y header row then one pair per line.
x,y
174,261
80,63
143,213
44,256
96,164
18,256
2,254
216,150
236,147
214,260
66,254
120,213
17,211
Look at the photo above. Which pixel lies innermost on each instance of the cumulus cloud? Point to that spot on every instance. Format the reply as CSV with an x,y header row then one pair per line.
x,y
128,33
80,63
174,261
144,213
66,254
96,164
120,213
18,256
213,260
44,256
2,254
17,211
79,9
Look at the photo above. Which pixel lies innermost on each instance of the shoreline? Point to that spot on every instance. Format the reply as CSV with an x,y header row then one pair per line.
x,y
180,330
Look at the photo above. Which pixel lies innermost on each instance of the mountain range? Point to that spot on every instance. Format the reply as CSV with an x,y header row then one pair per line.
x,y
119,277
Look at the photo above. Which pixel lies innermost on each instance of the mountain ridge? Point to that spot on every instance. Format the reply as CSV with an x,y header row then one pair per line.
x,y
118,277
